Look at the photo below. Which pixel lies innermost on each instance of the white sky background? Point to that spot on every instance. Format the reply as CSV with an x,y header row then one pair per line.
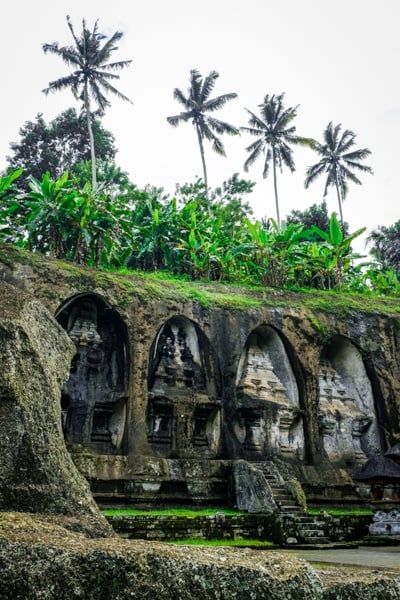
x,y
338,60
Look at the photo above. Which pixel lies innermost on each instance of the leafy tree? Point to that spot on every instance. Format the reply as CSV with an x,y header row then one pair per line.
x,y
275,134
340,256
92,77
49,208
339,159
198,104
385,242
317,214
58,146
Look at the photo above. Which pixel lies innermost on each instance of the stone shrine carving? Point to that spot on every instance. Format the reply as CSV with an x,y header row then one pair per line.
x,y
182,416
347,418
93,400
269,418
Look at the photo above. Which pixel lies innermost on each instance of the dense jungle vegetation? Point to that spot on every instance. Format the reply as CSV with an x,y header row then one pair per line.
x,y
64,196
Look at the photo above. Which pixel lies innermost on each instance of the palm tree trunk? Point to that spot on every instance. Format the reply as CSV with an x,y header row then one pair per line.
x,y
339,201
91,136
202,159
278,218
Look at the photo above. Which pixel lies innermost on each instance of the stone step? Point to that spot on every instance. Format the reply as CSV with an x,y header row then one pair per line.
x,y
316,540
311,532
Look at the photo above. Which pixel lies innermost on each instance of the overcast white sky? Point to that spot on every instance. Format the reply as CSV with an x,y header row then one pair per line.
x,y
338,60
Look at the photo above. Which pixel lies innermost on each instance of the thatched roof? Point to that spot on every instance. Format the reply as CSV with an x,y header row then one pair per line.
x,y
393,452
378,468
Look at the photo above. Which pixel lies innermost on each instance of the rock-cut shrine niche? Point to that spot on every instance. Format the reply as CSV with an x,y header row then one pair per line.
x,y
94,398
347,416
184,417
268,421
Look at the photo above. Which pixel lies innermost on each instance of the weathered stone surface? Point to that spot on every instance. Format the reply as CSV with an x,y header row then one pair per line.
x,y
36,472
42,560
205,400
253,493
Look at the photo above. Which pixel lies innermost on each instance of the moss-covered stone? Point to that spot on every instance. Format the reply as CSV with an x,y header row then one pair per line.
x,y
36,472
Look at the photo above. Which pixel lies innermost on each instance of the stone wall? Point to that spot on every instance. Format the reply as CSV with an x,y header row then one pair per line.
x,y
217,526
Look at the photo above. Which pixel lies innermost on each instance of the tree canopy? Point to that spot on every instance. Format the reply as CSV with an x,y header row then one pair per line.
x,y
59,145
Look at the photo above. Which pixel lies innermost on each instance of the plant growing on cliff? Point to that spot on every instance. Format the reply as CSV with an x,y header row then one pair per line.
x,y
340,255
93,74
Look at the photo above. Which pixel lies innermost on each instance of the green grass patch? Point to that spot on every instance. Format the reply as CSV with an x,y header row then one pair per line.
x,y
172,512
352,512
233,543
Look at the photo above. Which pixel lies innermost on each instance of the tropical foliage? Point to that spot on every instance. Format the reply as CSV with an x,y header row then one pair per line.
x,y
187,235
198,105
56,201
93,75
338,161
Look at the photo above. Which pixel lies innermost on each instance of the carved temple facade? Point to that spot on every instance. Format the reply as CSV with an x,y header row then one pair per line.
x,y
159,405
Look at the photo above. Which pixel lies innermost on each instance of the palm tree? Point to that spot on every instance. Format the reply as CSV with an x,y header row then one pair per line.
x,y
92,76
275,136
339,158
197,104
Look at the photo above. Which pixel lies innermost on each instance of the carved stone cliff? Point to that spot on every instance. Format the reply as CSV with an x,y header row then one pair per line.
x,y
165,392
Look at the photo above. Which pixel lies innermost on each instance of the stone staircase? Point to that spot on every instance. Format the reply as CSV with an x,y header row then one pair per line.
x,y
297,525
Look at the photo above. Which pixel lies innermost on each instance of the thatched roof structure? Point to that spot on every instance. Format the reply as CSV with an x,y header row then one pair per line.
x,y
379,468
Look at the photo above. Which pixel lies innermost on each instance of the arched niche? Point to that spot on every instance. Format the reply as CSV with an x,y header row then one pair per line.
x,y
94,398
347,416
268,420
183,415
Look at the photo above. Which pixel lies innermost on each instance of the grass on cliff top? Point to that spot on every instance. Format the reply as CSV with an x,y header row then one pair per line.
x,y
129,284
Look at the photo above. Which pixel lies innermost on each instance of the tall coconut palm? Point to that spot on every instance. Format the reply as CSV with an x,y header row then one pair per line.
x,y
275,136
197,104
92,74
339,159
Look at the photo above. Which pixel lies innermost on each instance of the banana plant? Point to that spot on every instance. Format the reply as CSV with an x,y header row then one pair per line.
x,y
341,255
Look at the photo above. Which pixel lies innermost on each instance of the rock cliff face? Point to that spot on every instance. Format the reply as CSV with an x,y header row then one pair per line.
x,y
36,472
158,396
166,392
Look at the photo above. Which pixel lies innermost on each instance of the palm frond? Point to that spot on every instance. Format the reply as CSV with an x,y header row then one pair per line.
x,y
112,90
180,97
207,86
195,85
222,127
70,81
286,156
255,149
267,162
218,102
115,66
314,172
176,120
